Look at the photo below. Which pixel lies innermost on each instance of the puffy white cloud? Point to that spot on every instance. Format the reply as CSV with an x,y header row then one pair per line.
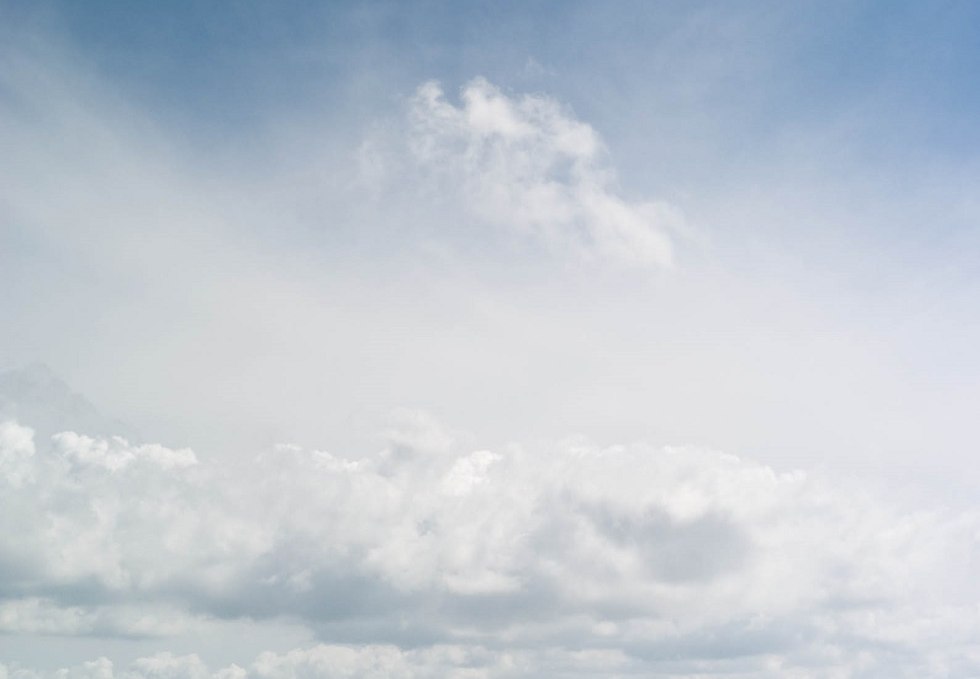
x,y
527,163
116,453
336,661
16,450
655,558
34,615
368,661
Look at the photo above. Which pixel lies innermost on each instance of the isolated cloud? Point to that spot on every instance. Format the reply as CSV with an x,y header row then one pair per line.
x,y
526,163
660,557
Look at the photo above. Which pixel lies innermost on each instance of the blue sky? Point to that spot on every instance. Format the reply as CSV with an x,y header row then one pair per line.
x,y
532,339
768,66
866,98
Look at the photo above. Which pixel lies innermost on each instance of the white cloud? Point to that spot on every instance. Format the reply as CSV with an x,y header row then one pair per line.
x,y
526,163
650,553
16,450
369,661
116,453
34,615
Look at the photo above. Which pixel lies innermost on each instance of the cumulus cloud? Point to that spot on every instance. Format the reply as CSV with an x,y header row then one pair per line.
x,y
333,661
34,615
116,453
642,557
526,163
16,451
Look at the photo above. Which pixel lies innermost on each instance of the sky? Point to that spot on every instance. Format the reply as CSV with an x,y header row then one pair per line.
x,y
544,339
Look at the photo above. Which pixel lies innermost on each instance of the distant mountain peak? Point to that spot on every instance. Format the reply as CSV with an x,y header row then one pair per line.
x,y
37,397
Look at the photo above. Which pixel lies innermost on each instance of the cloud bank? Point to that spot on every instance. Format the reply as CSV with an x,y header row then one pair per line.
x,y
486,563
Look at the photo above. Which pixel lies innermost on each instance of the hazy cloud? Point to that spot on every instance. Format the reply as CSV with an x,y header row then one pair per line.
x,y
525,162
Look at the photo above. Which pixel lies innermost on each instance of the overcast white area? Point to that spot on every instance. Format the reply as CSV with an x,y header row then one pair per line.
x,y
569,340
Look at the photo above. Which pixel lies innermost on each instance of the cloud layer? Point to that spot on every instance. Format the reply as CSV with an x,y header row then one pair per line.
x,y
502,561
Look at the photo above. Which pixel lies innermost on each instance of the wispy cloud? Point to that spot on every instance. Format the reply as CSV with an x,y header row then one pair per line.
x,y
526,163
